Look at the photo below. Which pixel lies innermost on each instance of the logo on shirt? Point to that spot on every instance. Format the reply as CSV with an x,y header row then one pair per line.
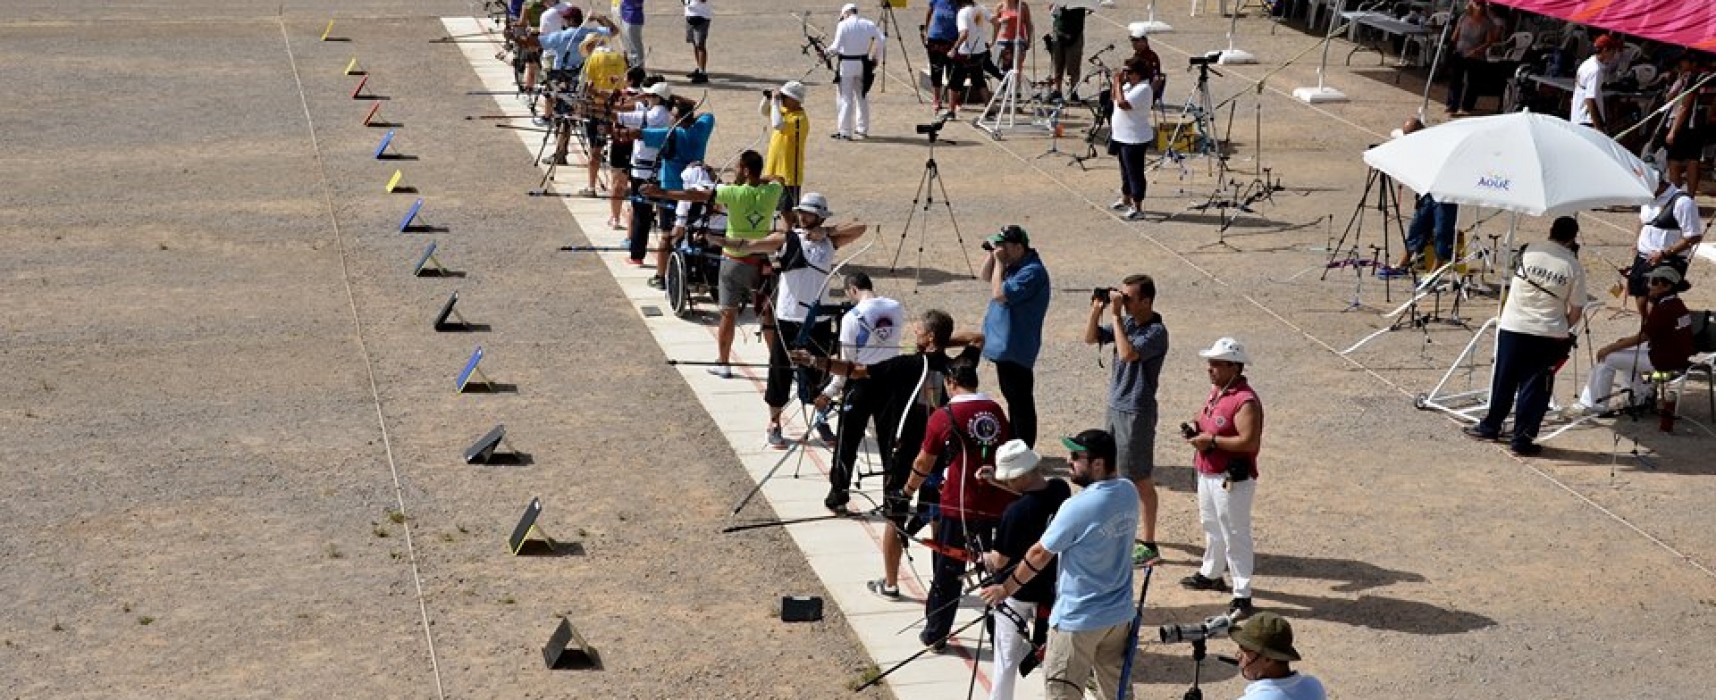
x,y
1494,181
756,219
1220,421
985,428
881,332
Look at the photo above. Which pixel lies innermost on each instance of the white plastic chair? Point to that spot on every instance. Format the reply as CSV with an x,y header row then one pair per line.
x,y
1513,49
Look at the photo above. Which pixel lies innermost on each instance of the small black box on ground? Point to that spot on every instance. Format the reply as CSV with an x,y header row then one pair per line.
x,y
801,609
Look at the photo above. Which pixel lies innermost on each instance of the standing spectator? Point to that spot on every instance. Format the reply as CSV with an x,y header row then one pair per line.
x,y
631,16
1022,525
1473,36
939,32
1689,124
1588,108
698,16
968,430
857,44
1543,304
750,208
968,56
1670,228
1132,134
1093,609
1664,343
1013,31
1140,345
1141,51
1013,325
870,334
789,129
1265,653
806,255
1229,434
1066,48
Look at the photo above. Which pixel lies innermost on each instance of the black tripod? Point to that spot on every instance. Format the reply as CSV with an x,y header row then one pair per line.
x,y
928,185
1200,649
1388,207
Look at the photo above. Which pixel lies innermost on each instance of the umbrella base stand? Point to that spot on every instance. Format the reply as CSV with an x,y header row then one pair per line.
x,y
1466,406
1319,95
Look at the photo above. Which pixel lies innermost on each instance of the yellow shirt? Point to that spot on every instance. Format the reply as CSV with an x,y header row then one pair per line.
x,y
605,71
786,149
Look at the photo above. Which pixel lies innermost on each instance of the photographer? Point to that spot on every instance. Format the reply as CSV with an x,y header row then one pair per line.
x,y
698,16
1132,134
789,129
1094,601
806,257
1066,47
939,32
1265,656
1226,434
1013,324
1140,345
857,45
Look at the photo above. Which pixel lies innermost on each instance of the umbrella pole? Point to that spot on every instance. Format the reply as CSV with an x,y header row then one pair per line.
x,y
1471,405
1436,62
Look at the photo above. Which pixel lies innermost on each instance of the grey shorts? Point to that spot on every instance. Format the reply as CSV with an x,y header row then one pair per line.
x,y
1134,442
697,31
738,281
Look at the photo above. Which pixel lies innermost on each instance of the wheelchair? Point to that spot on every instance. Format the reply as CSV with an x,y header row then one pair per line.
x,y
693,273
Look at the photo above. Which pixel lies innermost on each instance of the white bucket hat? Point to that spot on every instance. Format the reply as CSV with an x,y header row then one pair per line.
x,y
1227,350
660,90
793,89
1014,459
814,203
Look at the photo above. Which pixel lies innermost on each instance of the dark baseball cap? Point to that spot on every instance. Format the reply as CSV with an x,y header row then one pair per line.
x,y
1011,233
1096,443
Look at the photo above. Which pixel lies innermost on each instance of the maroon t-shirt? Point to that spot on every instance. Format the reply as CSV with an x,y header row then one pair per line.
x,y
982,428
1668,329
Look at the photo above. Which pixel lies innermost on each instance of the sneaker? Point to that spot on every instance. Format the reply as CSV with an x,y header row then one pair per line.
x,y
722,371
699,77
1476,432
634,262
1527,449
554,160
1391,272
882,590
1120,204
860,136
587,192
655,282
1134,214
836,501
1198,582
1240,609
936,645
776,441
539,121
837,136
1144,553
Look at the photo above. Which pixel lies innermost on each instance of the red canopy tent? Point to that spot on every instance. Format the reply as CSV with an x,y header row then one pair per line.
x,y
1690,23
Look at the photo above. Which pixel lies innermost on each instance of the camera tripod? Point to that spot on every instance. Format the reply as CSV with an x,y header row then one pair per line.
x,y
1100,111
891,25
928,185
1388,207
1201,107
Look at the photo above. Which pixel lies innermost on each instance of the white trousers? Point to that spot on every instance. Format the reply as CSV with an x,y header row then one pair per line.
x,y
1226,516
1632,363
1010,649
849,102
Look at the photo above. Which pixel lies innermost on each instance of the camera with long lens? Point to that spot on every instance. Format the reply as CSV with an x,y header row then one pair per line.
x,y
1102,294
1211,627
1209,58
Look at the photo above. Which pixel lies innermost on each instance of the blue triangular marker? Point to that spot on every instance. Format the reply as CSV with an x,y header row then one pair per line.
x,y
470,369
386,141
410,215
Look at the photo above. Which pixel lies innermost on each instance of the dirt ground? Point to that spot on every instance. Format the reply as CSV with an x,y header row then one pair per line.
x,y
231,441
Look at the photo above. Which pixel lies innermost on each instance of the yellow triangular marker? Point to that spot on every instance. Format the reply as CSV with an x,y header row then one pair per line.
x,y
352,68
328,30
393,182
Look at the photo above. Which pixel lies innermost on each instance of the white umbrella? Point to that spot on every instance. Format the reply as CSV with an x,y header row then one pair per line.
x,y
1533,164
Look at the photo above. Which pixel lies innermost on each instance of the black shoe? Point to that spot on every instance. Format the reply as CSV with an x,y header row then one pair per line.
x,y
655,282
1477,432
836,501
936,644
1240,609
1198,582
699,77
1528,449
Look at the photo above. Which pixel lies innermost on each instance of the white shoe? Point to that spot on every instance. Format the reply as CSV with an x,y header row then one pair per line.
x,y
1120,205
722,371
1578,410
1134,214
859,136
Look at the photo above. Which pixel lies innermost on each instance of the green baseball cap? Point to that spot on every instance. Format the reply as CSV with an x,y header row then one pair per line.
x,y
1011,233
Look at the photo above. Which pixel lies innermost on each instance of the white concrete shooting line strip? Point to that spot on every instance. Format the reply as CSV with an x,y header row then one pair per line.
x,y
844,554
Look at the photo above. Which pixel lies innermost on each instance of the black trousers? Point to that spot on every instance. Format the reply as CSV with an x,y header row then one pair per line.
x,y
1525,371
781,370
950,572
860,407
645,216
1018,387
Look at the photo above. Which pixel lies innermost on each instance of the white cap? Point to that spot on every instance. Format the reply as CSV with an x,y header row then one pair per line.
x,y
814,203
1227,350
850,8
660,90
1138,30
1014,459
793,89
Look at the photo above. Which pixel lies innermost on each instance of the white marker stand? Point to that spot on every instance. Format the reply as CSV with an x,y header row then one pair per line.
x,y
1322,94
1233,56
1151,25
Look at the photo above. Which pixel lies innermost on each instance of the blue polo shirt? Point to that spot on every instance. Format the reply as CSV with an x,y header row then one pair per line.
x,y
1092,538
1013,329
944,20
564,44
690,142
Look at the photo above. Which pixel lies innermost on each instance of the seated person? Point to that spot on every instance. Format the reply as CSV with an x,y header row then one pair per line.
x,y
703,221
1663,344
1432,225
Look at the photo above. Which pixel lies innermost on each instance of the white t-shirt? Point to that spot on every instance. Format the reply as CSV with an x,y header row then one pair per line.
x,y
870,333
1587,84
644,157
1132,126
856,36
552,19
1653,239
1549,283
1295,687
805,285
699,8
974,23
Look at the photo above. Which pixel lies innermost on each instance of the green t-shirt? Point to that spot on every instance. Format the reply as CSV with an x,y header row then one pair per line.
x,y
533,13
750,210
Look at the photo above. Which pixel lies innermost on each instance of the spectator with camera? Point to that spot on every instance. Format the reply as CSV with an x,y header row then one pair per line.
x,y
1132,134
1266,655
968,430
789,129
1140,346
698,16
1226,435
1018,469
1013,325
1094,604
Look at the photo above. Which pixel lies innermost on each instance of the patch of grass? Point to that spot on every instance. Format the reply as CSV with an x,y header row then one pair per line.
x,y
446,537
507,600
145,620
124,607
394,554
395,516
869,673
462,530
59,627
380,531
334,552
